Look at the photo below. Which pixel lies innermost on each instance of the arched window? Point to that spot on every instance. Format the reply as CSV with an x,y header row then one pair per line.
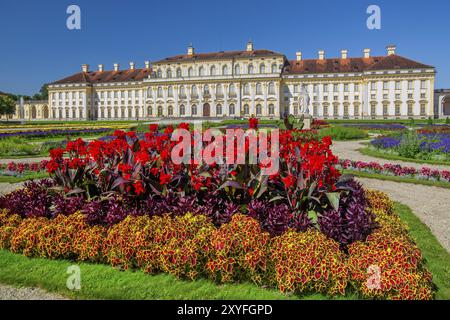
x,y
191,72
225,70
219,109
194,110
258,88
212,71
271,109
237,69
206,89
232,89
194,91
160,92
169,73
246,89
149,92
170,91
250,69
170,111
271,88
182,91
258,110
178,72
159,73
246,110
232,109
182,110
274,68
149,111
262,68
201,71
219,90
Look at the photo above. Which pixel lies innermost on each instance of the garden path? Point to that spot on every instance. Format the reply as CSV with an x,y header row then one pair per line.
x,y
430,204
349,150
11,293
23,160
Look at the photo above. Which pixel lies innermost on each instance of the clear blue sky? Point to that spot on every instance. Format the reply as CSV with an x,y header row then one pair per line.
x,y
36,47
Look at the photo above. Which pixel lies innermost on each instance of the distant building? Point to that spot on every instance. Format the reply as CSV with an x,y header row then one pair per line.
x,y
442,103
249,82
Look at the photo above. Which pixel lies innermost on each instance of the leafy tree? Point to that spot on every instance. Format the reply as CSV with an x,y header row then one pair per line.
x,y
7,106
447,120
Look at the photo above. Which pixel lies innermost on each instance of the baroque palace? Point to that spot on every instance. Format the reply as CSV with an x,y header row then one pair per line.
x,y
246,83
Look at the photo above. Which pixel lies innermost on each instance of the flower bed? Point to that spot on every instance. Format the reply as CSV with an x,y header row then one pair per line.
x,y
304,228
52,133
397,170
19,168
377,126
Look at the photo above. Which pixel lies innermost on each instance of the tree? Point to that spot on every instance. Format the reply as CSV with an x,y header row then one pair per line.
x,y
7,106
44,92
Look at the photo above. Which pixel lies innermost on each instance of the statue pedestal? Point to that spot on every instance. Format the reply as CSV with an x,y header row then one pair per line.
x,y
307,122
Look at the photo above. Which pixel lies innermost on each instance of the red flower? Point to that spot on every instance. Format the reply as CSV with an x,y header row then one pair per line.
x,y
288,181
253,123
56,153
138,187
119,134
153,127
164,178
52,166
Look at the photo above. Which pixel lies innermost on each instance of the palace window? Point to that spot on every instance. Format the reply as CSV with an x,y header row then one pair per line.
x,y
169,73
219,109
422,109
237,69
170,91
246,89
201,71
212,71
232,89
262,68
385,109
232,109
385,85
325,87
225,70
325,110
160,92
410,96
336,88
194,110
373,86
345,110
336,110
356,87
274,68
271,109
182,110
410,109
250,69
373,109
398,85
315,110
346,87
271,88
423,84
356,110
246,109
258,110
159,73
194,92
206,89
182,91
410,85
219,90
258,88
179,73
397,109
191,72
170,111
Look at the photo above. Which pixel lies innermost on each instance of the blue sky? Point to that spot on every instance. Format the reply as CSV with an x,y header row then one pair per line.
x,y
36,47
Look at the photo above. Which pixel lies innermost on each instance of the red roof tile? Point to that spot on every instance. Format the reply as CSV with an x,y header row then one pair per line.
x,y
220,55
94,77
338,65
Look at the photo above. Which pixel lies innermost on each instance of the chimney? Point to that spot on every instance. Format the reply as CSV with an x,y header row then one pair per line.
x,y
366,53
249,46
298,56
131,65
321,54
116,67
190,50
344,54
100,67
147,64
391,49
85,67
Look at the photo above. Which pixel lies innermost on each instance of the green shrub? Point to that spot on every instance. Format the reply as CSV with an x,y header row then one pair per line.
x,y
409,145
447,120
430,121
343,133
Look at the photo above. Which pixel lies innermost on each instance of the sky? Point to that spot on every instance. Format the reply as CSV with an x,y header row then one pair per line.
x,y
36,47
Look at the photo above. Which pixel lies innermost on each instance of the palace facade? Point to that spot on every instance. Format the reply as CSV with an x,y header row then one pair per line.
x,y
246,83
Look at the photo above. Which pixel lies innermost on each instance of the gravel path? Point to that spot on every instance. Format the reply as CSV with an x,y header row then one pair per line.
x,y
430,204
9,187
11,293
349,150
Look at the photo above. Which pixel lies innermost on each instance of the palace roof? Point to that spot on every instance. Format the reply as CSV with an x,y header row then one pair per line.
x,y
93,77
339,65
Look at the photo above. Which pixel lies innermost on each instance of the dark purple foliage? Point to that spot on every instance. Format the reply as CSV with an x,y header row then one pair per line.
x,y
67,205
352,221
33,200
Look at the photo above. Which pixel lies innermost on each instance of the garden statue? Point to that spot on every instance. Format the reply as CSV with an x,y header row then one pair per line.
x,y
304,101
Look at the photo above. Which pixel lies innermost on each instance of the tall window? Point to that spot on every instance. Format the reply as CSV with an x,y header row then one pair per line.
x,y
410,85
190,72
423,84
336,88
422,109
170,111
250,69
194,110
219,109
225,70
410,109
159,73
385,85
271,88
170,91
258,110
194,91
182,91
178,72
201,71
232,109
160,92
398,85
212,71
182,110
169,73
258,88
274,68
206,89
246,109
373,86
246,89
232,89
219,90
271,109
237,69
149,92
262,68
356,87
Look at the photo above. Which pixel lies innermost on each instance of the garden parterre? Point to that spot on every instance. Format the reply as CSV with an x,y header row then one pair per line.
x,y
303,229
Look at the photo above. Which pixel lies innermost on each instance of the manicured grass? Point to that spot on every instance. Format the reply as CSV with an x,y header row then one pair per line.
x,y
373,153
437,258
440,184
339,133
104,282
25,177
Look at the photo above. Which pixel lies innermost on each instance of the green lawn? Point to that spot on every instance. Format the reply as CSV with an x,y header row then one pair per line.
x,y
437,258
378,176
377,154
25,177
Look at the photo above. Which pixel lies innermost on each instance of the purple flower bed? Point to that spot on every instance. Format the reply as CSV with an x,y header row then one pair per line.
x,y
54,132
429,142
385,142
377,126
